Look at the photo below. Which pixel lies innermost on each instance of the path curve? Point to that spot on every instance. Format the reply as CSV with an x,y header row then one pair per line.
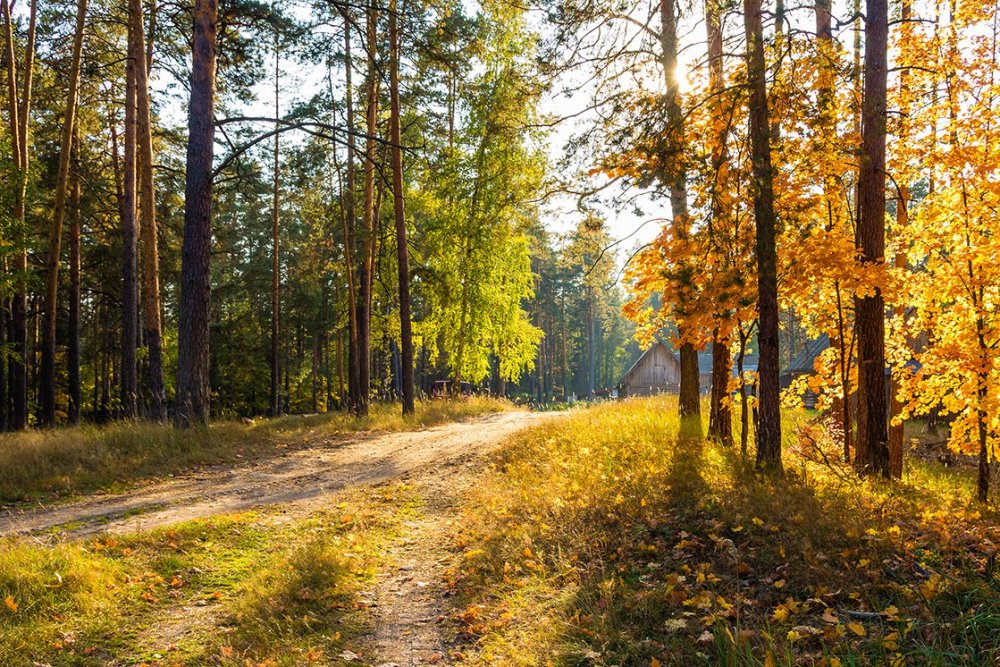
x,y
297,479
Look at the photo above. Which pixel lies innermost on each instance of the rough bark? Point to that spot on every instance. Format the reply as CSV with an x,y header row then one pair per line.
x,y
872,455
48,375
73,351
19,114
21,339
768,404
193,390
141,53
349,222
405,324
4,388
368,216
275,250
130,292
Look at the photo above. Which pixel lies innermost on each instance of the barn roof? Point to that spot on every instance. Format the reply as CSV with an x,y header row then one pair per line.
x,y
804,361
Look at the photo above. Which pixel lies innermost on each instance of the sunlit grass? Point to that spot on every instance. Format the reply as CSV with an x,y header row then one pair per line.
x,y
90,457
221,591
604,538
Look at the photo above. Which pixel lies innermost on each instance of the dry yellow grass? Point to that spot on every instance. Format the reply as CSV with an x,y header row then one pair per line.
x,y
605,539
84,458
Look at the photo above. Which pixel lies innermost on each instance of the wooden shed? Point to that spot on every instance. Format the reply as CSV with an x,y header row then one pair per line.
x,y
657,371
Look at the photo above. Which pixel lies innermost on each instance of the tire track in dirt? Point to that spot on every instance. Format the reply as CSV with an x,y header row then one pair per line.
x,y
298,480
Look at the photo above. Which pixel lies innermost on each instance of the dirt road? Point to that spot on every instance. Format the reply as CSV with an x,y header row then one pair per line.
x,y
298,479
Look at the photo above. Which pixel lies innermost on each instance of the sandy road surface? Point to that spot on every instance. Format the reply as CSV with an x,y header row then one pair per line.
x,y
297,479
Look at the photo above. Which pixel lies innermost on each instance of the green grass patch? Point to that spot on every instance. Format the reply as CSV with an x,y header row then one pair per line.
x,y
605,538
77,459
253,588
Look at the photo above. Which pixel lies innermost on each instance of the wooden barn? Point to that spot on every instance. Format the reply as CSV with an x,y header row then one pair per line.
x,y
657,371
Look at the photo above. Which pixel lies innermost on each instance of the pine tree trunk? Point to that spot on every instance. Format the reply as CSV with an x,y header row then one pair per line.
x,y
591,360
96,318
19,114
193,390
314,376
325,346
130,293
73,352
275,251
872,457
4,387
402,250
48,378
340,371
20,339
768,405
368,218
141,54
349,222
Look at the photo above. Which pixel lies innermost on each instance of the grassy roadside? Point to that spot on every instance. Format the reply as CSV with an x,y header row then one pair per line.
x,y
85,458
248,589
604,539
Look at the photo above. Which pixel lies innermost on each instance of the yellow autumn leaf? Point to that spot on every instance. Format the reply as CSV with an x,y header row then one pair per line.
x,y
653,662
856,628
9,601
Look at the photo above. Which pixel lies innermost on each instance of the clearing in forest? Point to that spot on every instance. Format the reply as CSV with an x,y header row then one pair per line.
x,y
598,538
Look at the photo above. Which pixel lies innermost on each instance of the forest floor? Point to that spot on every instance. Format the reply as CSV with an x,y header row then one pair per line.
x,y
597,537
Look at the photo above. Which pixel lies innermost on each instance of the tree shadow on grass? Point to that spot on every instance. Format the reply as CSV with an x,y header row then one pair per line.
x,y
303,604
693,557
726,548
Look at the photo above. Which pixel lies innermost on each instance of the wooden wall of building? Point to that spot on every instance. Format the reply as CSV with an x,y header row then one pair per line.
x,y
657,371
